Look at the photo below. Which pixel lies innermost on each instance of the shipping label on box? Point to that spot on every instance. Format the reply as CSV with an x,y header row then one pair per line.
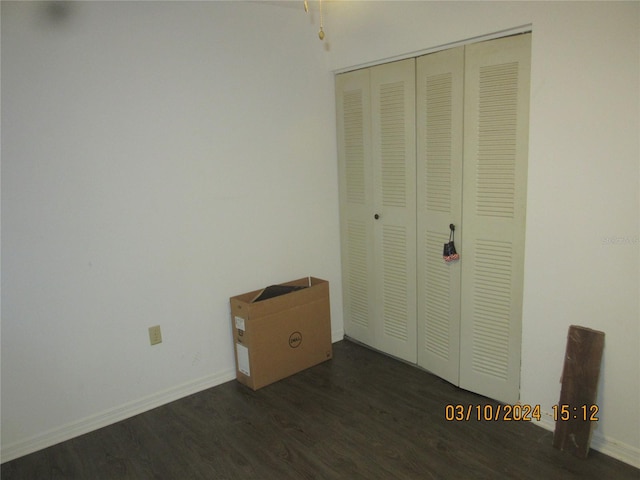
x,y
239,323
242,358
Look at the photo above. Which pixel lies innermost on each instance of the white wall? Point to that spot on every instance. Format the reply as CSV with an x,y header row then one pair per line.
x,y
157,158
582,244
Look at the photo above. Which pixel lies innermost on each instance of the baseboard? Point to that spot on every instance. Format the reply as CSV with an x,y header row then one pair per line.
x,y
117,414
618,450
603,444
111,416
337,336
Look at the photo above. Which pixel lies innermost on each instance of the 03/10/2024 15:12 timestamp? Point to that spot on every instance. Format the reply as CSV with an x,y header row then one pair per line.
x,y
519,412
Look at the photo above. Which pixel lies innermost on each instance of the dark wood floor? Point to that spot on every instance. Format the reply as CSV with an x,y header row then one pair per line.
x,y
361,415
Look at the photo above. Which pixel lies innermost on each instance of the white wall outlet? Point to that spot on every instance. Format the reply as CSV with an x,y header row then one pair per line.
x,y
155,335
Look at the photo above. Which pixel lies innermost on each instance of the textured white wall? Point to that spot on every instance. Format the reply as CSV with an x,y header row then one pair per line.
x,y
583,212
157,158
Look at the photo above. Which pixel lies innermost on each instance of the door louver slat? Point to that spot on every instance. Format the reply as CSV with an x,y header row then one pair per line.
x,y
497,119
358,273
436,297
392,144
354,146
492,307
438,104
394,245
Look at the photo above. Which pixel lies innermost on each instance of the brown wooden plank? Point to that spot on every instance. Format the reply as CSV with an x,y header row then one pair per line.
x,y
577,409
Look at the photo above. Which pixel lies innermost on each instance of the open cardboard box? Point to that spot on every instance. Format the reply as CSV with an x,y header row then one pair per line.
x,y
282,335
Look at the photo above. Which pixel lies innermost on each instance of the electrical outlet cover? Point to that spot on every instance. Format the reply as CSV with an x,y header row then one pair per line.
x,y
155,335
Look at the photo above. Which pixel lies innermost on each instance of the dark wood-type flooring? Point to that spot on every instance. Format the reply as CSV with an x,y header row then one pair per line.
x,y
361,415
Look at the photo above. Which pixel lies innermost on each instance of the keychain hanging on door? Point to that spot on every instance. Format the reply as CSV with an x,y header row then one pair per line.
x,y
449,254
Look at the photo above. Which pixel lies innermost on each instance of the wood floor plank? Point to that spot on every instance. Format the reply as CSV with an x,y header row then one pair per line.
x,y
361,415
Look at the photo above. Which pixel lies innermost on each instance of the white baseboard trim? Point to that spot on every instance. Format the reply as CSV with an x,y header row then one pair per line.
x,y
337,336
111,416
608,446
603,444
117,414
618,450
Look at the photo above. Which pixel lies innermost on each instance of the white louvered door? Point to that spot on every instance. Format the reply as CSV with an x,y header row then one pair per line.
x,y
353,108
376,139
440,95
494,201
394,153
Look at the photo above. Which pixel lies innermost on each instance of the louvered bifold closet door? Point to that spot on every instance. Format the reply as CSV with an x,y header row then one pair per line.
x,y
356,203
393,135
439,92
494,199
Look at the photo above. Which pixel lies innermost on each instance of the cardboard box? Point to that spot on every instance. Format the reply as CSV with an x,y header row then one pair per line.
x,y
283,335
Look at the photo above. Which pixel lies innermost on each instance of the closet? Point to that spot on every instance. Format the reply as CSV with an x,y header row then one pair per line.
x,y
425,143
